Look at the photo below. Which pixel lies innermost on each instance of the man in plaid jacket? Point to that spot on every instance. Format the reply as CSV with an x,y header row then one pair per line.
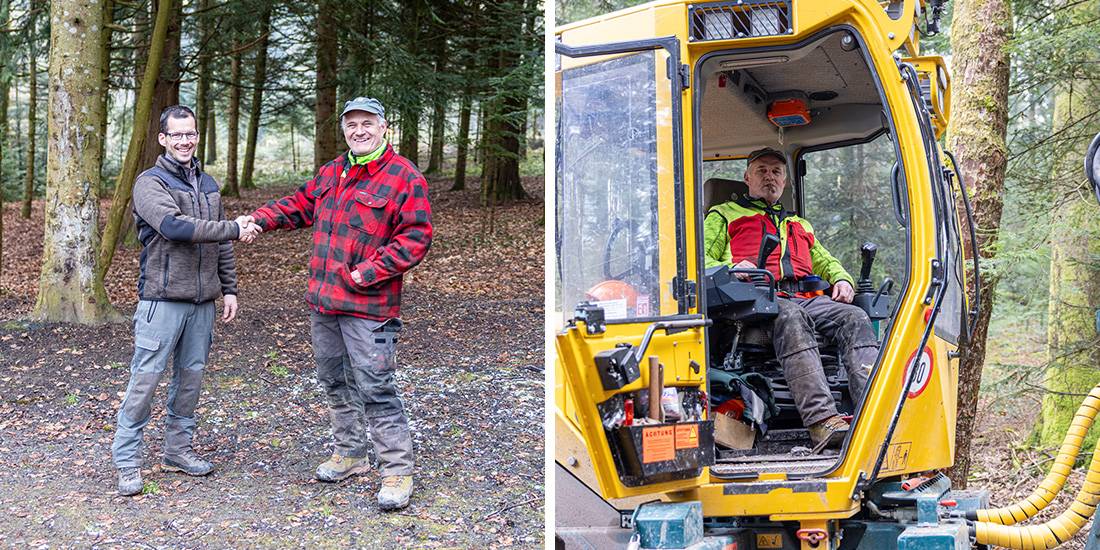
x,y
371,222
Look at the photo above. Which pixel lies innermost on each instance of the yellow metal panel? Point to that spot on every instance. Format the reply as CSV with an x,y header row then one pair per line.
x,y
582,390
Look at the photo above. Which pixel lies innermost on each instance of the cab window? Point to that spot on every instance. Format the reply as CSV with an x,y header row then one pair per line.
x,y
847,196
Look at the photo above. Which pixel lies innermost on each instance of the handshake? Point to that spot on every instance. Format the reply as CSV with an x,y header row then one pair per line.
x,y
249,229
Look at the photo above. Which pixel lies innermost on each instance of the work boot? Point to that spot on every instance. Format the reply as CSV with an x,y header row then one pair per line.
x,y
341,467
395,492
188,463
129,481
829,433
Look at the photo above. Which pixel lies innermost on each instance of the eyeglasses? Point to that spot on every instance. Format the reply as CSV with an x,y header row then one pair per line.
x,y
182,136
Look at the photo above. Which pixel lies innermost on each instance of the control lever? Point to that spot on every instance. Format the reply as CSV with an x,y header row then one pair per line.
x,y
767,246
867,253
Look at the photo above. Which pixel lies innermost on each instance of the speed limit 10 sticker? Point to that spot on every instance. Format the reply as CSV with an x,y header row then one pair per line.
x,y
924,371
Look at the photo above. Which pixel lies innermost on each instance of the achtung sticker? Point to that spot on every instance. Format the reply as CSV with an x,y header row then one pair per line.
x,y
897,457
658,444
769,540
924,372
687,436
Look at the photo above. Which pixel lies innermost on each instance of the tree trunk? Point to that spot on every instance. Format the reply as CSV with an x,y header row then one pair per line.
x,y
124,185
439,114
231,188
979,123
1072,352
105,88
167,87
500,165
326,145
67,289
293,150
463,140
212,137
202,88
257,100
32,106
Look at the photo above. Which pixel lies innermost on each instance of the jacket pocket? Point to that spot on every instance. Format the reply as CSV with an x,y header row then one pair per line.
x,y
148,344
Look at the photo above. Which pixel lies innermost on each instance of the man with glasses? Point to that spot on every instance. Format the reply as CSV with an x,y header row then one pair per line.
x,y
187,263
371,223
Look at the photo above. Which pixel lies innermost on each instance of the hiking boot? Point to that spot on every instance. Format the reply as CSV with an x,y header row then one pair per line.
x,y
342,467
188,463
395,492
829,433
129,481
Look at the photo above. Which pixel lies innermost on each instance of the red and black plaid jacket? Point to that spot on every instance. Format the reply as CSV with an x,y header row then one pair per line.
x,y
375,219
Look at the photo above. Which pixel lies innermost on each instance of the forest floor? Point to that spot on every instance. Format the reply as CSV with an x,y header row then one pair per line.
x,y
1004,459
471,378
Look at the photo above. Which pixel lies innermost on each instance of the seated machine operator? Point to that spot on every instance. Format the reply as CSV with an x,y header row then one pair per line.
x,y
732,234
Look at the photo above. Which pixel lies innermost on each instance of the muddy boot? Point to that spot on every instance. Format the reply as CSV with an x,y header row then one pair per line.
x,y
342,467
129,481
395,492
187,462
829,433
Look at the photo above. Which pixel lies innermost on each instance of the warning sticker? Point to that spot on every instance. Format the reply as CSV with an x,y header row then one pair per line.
x,y
658,444
897,457
769,540
924,372
687,436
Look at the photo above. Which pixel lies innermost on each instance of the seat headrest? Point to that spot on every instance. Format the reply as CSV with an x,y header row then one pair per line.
x,y
719,190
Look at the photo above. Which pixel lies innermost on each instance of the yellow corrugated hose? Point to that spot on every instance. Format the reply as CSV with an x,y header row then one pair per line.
x,y
996,525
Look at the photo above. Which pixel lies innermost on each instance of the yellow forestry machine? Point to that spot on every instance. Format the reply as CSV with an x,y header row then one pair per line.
x,y
674,425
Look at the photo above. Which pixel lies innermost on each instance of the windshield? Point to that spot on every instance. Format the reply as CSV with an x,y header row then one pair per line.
x,y
607,242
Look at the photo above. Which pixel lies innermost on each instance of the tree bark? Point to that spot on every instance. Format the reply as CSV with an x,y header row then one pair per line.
x,y
124,185
167,86
32,124
231,189
67,289
202,87
325,123
105,76
439,105
212,137
980,39
260,78
463,140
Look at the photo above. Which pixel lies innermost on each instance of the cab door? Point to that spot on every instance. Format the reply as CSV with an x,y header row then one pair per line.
x,y
623,306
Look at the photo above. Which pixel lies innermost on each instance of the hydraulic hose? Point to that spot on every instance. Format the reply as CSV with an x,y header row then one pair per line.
x,y
1041,497
997,528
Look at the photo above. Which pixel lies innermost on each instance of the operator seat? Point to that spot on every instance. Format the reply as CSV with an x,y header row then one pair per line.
x,y
755,343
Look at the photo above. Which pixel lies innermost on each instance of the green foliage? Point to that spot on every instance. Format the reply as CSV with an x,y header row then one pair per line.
x,y
71,399
150,488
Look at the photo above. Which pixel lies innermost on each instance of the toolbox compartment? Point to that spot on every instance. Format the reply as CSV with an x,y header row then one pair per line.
x,y
654,453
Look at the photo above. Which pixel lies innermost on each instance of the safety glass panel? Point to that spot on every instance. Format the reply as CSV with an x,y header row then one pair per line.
x,y
847,196
607,242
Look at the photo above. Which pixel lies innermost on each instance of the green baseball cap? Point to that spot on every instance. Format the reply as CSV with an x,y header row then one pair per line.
x,y
366,104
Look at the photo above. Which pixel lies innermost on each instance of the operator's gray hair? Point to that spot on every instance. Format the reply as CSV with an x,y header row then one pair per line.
x,y
381,119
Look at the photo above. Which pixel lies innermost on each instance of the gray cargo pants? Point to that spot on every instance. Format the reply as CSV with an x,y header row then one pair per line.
x,y
793,336
355,365
181,330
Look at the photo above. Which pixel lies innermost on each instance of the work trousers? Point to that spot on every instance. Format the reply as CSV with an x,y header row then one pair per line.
x,y
356,360
793,335
182,331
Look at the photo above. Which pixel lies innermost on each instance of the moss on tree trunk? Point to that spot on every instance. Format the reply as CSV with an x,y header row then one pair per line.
x,y
980,34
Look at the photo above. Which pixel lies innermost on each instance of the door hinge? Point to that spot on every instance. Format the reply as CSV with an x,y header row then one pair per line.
x,y
684,291
681,74
936,282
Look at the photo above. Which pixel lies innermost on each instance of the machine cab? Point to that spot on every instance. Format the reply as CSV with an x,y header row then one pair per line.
x,y
658,107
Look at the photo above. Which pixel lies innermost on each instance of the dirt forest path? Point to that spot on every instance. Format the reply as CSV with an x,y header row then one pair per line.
x,y
471,377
